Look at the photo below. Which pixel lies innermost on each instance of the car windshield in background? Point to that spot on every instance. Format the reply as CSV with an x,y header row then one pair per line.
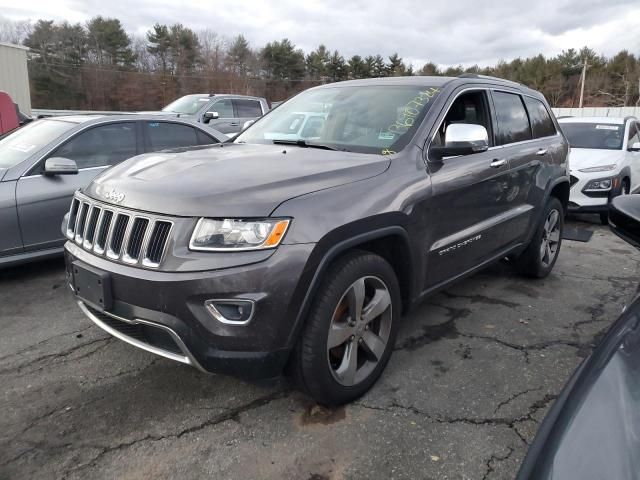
x,y
19,145
187,105
377,120
604,136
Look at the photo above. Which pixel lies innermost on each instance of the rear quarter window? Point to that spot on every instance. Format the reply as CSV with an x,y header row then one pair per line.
x,y
541,123
513,122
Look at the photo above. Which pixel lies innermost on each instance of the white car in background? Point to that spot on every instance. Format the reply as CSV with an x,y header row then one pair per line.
x,y
604,161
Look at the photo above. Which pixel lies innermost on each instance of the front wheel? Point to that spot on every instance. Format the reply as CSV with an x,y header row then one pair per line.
x,y
350,331
538,259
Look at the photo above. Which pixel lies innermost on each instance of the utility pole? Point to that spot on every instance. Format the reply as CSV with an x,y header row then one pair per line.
x,y
583,77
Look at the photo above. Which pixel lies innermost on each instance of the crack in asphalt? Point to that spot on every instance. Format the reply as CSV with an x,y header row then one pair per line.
x,y
513,397
231,414
493,459
497,421
62,355
31,347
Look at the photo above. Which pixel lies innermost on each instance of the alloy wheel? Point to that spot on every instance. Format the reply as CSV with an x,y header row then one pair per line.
x,y
359,330
550,238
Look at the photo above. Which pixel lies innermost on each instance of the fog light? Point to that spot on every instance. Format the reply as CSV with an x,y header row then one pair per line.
x,y
231,312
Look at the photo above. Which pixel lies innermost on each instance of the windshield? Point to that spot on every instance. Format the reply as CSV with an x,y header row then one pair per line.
x,y
366,119
187,105
603,136
22,143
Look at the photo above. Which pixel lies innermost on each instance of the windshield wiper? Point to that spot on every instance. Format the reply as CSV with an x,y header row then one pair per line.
x,y
302,143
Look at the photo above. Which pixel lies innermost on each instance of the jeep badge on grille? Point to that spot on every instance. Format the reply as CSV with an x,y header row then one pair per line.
x,y
115,196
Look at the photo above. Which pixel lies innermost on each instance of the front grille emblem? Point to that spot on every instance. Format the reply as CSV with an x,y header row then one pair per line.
x,y
115,196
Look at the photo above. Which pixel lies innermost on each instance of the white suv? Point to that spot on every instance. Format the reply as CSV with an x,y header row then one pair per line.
x,y
604,161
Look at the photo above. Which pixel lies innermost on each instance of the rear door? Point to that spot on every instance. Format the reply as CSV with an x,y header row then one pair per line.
x,y
43,200
247,109
227,121
468,194
528,145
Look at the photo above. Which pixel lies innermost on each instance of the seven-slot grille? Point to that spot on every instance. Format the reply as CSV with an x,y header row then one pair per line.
x,y
120,234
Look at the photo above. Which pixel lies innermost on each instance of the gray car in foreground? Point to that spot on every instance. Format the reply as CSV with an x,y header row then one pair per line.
x,y
44,163
300,255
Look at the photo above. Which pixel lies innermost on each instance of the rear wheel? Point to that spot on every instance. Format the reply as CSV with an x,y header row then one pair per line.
x,y
350,331
540,256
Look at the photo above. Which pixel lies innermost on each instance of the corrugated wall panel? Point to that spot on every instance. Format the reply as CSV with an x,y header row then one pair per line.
x,y
14,77
597,112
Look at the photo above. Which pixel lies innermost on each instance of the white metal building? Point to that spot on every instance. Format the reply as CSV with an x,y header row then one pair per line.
x,y
14,77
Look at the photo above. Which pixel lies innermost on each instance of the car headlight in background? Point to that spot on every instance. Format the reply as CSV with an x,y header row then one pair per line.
x,y
600,185
601,168
233,234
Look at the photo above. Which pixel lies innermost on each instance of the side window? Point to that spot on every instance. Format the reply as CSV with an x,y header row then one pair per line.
x,y
223,107
513,123
248,108
163,135
634,134
100,146
541,123
467,108
204,139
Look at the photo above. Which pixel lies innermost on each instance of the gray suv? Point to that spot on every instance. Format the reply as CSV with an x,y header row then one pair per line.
x,y
224,112
300,255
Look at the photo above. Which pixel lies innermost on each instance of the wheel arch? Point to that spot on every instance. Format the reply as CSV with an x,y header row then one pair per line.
x,y
392,243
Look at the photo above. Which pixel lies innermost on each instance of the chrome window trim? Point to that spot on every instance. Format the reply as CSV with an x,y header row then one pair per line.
x,y
102,167
186,358
487,88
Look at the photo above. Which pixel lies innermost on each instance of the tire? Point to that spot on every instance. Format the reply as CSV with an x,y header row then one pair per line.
x,y
533,262
604,218
327,374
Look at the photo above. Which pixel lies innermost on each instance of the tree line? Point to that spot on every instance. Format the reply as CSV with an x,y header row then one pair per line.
x,y
99,66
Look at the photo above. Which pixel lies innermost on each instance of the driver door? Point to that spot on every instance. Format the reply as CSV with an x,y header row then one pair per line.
x,y
227,121
467,196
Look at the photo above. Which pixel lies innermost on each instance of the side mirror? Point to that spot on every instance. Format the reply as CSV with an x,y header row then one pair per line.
x,y
635,147
462,139
211,116
624,218
247,124
60,166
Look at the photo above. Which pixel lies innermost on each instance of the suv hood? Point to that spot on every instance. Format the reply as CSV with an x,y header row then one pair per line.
x,y
591,157
229,180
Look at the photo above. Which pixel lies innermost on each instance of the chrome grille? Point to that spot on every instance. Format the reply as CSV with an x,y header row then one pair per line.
x,y
119,234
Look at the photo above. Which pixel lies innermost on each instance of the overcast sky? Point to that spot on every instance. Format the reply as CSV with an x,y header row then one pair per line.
x,y
445,32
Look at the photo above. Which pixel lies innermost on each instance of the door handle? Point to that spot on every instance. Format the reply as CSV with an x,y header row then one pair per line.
x,y
235,124
498,163
541,152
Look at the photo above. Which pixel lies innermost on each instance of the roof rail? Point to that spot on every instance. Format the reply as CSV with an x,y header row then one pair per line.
x,y
488,77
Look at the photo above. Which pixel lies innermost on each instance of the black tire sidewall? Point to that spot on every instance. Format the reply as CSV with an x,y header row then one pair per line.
x,y
530,263
311,352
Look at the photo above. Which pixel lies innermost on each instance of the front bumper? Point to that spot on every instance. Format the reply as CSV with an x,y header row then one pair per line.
x,y
591,202
164,312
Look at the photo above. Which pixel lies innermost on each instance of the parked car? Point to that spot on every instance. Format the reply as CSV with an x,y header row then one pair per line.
x,y
9,119
592,431
224,112
44,163
605,161
277,254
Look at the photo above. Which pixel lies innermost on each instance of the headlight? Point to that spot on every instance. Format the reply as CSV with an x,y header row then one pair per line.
x,y
604,184
602,168
231,234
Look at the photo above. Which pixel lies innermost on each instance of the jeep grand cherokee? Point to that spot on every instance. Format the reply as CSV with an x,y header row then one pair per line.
x,y
273,253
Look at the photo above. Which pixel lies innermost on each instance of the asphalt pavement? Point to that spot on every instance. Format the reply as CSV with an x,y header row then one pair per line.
x,y
475,369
